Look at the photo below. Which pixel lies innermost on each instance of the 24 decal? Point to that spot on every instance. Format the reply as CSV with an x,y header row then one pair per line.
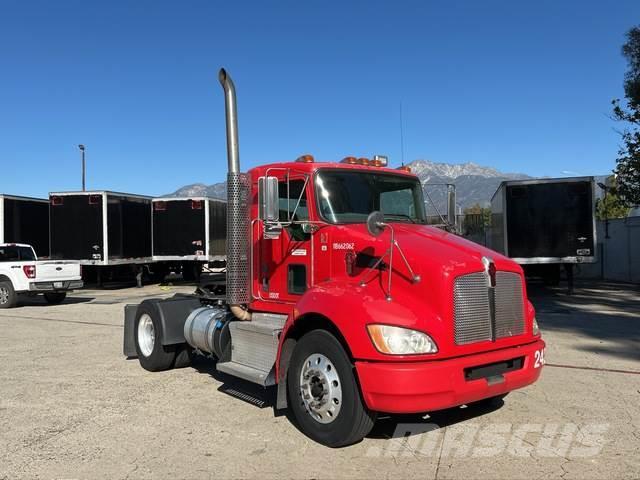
x,y
539,358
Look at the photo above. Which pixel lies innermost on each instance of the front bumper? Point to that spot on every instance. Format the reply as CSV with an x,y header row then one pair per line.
x,y
416,387
55,286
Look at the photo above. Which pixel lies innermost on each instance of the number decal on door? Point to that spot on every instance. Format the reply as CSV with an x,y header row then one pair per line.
x,y
539,358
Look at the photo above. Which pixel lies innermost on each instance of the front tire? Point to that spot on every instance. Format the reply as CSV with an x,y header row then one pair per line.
x,y
54,298
323,392
8,296
152,355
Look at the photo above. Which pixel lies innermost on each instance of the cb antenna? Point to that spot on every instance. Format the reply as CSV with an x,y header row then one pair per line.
x,y
401,136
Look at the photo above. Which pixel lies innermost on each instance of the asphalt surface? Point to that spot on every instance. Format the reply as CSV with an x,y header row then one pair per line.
x,y
72,406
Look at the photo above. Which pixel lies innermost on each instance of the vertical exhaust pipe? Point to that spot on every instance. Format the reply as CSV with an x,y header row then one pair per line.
x,y
231,116
238,285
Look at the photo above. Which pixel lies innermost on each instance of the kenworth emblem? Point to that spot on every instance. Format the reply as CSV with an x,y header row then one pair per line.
x,y
490,270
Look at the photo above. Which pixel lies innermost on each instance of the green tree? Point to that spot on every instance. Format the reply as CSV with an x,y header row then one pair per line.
x,y
628,161
477,218
610,206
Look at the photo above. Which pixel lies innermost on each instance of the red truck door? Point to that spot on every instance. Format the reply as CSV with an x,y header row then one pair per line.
x,y
285,263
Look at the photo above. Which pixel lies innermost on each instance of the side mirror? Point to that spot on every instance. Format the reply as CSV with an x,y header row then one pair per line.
x,y
375,223
268,199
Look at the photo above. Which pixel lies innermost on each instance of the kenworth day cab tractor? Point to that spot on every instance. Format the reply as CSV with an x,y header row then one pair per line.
x,y
338,293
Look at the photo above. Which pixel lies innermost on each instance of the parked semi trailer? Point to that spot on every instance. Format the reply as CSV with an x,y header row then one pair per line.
x,y
25,220
187,233
106,231
545,224
338,293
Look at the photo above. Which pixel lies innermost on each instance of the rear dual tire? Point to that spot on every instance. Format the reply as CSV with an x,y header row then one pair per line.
x,y
152,355
323,393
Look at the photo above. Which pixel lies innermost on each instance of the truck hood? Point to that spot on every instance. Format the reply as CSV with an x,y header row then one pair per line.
x,y
437,257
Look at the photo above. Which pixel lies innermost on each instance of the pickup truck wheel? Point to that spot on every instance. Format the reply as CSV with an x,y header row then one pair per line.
x,y
8,296
323,392
55,298
152,355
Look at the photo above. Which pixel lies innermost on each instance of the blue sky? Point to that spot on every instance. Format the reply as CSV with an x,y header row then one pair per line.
x,y
519,86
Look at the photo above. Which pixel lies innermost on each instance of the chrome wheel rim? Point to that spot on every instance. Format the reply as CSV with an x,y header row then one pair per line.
x,y
4,295
320,388
146,335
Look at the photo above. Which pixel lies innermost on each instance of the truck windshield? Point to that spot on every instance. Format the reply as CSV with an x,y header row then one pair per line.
x,y
349,196
15,253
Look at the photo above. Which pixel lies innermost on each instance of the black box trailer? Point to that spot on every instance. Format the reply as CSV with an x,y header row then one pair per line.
x,y
100,228
189,229
25,220
545,223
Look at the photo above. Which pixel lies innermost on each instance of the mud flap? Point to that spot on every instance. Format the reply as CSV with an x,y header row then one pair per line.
x,y
129,347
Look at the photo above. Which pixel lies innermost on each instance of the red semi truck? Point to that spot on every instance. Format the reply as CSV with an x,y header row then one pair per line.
x,y
338,293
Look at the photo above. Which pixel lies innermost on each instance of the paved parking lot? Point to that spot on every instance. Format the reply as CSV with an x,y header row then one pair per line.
x,y
71,406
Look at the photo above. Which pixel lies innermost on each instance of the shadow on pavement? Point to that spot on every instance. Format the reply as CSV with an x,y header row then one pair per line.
x,y
39,301
606,311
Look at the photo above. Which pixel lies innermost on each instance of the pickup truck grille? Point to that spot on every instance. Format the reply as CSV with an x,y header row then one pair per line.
x,y
484,313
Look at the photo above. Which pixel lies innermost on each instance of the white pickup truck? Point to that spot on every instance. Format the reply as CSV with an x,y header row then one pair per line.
x,y
22,273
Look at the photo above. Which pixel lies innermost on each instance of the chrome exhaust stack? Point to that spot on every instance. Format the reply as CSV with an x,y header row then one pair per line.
x,y
238,285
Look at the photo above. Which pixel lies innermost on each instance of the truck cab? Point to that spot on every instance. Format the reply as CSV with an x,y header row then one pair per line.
x,y
340,294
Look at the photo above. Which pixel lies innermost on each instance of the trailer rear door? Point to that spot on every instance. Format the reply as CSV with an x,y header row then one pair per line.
x,y
550,220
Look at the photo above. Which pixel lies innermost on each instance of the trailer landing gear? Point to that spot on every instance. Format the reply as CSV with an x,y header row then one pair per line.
x,y
568,267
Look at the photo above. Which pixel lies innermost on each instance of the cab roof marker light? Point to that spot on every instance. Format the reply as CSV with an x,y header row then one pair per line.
x,y
350,160
404,168
305,159
380,161
363,161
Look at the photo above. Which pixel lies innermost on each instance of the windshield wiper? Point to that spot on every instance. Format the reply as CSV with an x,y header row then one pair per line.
x,y
401,215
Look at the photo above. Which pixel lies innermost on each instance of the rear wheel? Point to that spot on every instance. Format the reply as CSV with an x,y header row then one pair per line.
x,y
55,298
153,356
8,296
323,393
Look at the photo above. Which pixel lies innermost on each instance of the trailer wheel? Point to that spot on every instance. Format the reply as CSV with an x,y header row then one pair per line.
x,y
8,296
153,356
323,392
54,298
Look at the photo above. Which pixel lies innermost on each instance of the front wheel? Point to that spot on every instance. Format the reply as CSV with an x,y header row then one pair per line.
x,y
54,298
323,392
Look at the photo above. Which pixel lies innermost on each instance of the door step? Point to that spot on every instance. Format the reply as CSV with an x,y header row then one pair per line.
x,y
251,374
254,346
257,399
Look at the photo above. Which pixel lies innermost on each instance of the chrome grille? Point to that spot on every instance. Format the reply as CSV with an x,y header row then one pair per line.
x,y
472,319
472,307
509,305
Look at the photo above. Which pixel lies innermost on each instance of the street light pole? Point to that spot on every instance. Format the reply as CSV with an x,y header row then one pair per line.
x,y
81,147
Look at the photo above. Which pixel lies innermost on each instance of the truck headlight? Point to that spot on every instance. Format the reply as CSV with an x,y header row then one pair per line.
x,y
400,341
536,328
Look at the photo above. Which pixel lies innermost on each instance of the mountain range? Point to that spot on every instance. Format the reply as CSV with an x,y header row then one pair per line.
x,y
475,184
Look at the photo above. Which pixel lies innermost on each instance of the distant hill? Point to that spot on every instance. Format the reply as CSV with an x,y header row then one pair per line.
x,y
474,184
